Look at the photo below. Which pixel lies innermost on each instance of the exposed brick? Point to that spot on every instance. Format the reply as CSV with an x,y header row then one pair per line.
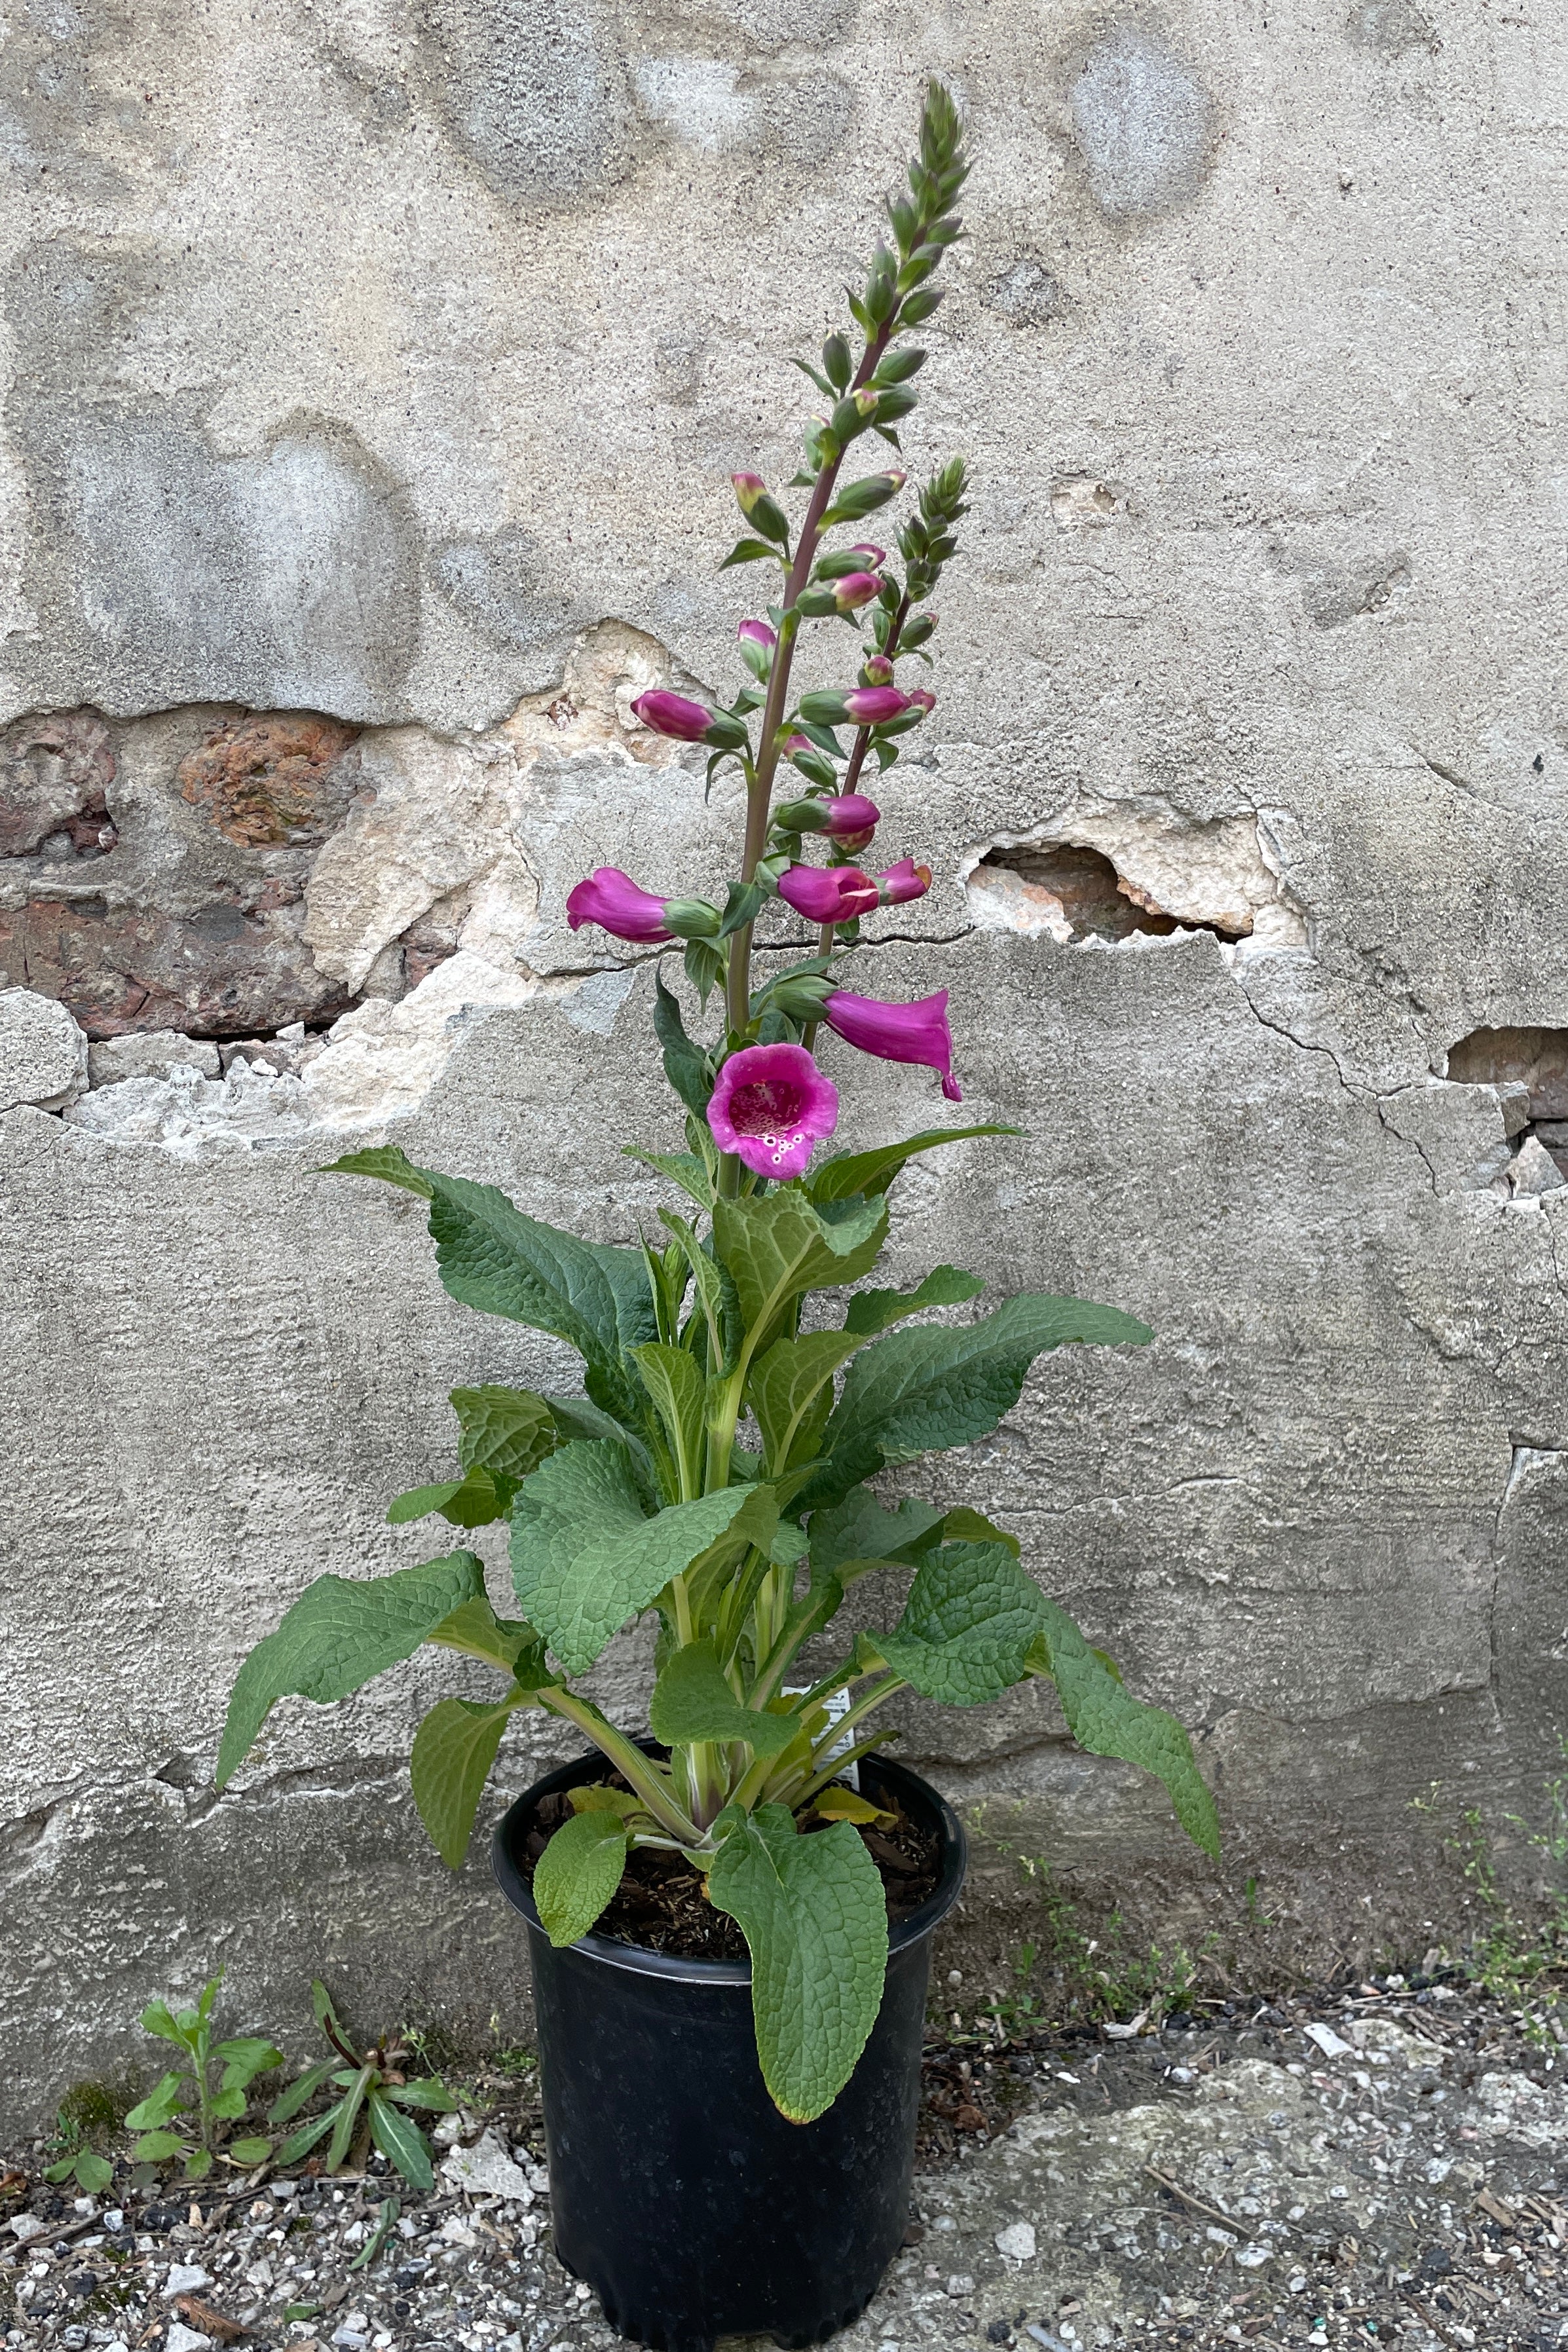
x,y
273,777
54,773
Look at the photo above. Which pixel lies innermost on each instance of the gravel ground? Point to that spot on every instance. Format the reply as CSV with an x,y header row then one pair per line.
x,y
1382,2167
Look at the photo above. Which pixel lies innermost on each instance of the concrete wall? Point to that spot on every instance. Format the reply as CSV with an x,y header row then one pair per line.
x,y
373,373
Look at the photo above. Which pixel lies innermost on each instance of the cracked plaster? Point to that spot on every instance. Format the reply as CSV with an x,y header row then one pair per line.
x,y
382,364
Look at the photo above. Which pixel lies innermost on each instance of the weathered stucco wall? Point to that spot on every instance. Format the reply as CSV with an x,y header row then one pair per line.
x,y
373,371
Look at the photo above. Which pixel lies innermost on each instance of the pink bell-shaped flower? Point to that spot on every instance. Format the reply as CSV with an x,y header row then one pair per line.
x,y
614,901
771,1106
829,894
897,1033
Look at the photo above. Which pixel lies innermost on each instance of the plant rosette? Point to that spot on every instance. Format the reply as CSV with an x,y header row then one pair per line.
x,y
745,1384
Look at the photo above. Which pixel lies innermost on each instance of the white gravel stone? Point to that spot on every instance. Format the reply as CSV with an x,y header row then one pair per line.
x,y
43,1053
1017,2241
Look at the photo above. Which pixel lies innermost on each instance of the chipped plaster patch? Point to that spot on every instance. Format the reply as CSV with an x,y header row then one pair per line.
x,y
1219,876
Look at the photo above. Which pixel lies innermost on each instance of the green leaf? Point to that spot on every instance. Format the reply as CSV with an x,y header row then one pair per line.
x,y
716,1296
742,906
301,2142
93,2172
401,2142
250,2151
475,1500
1105,1719
507,1431
427,2092
871,1311
156,2147
684,1064
507,1642
791,1392
578,1872
584,1556
860,1533
157,2019
453,1751
347,2115
682,1167
385,1160
813,1912
970,1618
290,2101
230,2105
165,2100
749,551
337,1635
692,1701
917,1391
777,1246
490,1256
378,2237
673,1379
849,1172
198,2163
62,2171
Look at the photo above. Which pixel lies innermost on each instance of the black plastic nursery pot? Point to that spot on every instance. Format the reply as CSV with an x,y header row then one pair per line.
x,y
678,2190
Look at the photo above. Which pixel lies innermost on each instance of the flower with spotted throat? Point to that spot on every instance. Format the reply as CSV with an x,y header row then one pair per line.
x,y
771,1107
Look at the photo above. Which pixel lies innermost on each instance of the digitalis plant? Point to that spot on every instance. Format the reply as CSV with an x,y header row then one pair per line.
x,y
643,1494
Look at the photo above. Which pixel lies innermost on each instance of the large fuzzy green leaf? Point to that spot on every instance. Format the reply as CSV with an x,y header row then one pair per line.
x,y
918,1390
776,1247
871,1311
673,1379
586,1556
812,1912
474,1500
507,1431
578,1871
490,1256
849,1172
339,1634
968,1622
791,1392
860,1530
692,1701
1106,1719
503,1641
454,1749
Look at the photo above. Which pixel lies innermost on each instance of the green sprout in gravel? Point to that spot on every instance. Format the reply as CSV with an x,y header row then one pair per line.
x,y
179,2115
373,2093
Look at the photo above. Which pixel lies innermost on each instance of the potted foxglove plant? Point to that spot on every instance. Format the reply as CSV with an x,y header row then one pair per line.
x,y
731,1922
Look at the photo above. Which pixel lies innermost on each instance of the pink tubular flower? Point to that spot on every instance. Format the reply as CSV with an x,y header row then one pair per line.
x,y
828,894
612,900
851,819
869,705
898,1033
672,714
922,698
757,633
770,1106
902,881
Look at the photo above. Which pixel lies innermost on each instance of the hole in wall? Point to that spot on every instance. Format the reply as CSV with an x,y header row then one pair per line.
x,y
1076,894
1107,872
1531,1064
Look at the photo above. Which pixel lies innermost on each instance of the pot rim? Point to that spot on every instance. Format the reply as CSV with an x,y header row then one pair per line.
x,y
679,1967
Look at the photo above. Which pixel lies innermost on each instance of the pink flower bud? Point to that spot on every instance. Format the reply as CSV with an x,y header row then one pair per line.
x,y
905,881
874,556
829,894
877,670
757,633
898,1033
859,588
851,819
869,705
749,488
922,698
612,900
771,1105
672,714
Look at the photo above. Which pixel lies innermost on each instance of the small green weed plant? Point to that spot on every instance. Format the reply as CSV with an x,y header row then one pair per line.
x,y
373,2095
180,2115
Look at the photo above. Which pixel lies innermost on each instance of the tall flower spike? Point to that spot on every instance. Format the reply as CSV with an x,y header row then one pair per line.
x,y
898,1033
771,1106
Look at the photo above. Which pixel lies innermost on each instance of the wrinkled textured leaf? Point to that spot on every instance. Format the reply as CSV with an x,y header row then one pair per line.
x,y
682,1167
860,1529
578,1871
453,1751
791,1392
965,1635
507,1431
475,1500
872,1171
871,1311
1103,1717
673,1379
919,1391
777,1246
490,1256
507,1642
337,1635
692,1701
584,1556
813,1912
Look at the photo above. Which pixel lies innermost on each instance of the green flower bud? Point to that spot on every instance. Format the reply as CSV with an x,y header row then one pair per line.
x,y
803,816
691,919
815,603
